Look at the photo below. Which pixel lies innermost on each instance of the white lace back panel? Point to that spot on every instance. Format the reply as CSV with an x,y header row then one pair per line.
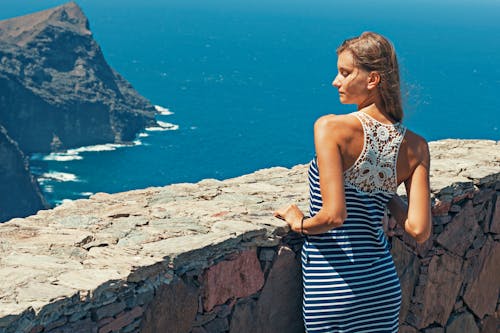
x,y
375,169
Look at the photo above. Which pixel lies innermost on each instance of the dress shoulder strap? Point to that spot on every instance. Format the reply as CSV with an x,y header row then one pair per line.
x,y
375,169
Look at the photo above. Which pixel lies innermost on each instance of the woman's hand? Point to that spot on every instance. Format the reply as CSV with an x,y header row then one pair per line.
x,y
292,215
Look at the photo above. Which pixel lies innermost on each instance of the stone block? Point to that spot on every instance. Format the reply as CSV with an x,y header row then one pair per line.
x,y
36,291
407,267
134,327
464,322
172,310
82,326
244,318
37,329
490,324
109,310
434,330
122,320
220,282
407,329
198,330
203,318
267,254
495,220
483,280
218,325
88,279
459,234
441,208
484,195
439,294
280,302
57,323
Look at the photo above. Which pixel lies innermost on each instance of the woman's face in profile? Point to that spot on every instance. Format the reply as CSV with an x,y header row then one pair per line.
x,y
351,81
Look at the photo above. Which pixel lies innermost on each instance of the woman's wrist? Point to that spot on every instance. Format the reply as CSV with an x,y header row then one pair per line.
x,y
300,225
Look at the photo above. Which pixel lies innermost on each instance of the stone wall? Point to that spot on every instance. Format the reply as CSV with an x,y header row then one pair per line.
x,y
209,257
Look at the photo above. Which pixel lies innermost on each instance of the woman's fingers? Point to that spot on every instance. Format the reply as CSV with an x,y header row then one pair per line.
x,y
283,212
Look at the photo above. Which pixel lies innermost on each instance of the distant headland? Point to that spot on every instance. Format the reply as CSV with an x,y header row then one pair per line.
x,y
57,92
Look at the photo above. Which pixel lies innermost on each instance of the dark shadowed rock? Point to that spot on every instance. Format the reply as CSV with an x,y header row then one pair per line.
x,y
407,267
463,323
279,307
19,192
173,309
439,294
461,231
483,280
495,220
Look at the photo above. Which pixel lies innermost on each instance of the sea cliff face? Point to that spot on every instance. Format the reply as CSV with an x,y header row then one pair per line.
x,y
19,191
56,89
58,92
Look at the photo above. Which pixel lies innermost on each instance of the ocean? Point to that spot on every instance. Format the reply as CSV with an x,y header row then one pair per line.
x,y
240,83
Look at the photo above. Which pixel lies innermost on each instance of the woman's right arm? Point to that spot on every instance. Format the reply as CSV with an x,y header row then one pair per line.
x,y
416,218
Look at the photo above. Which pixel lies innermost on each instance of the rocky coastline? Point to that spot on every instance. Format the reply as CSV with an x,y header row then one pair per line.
x,y
58,92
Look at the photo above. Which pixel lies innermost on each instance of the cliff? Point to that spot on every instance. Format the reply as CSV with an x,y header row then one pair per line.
x,y
210,258
19,191
57,90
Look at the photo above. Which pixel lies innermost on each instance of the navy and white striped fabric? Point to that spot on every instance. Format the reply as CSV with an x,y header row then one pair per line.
x,y
349,279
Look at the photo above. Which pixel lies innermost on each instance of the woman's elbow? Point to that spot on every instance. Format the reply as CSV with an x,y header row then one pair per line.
x,y
422,237
335,219
420,234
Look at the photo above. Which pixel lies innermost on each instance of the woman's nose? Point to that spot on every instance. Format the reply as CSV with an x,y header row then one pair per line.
x,y
336,82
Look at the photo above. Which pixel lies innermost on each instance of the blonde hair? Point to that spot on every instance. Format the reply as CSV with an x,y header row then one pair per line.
x,y
374,52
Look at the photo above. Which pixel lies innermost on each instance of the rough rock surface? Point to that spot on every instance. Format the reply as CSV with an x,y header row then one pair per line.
x,y
20,194
173,309
481,292
101,262
278,308
56,92
221,283
463,323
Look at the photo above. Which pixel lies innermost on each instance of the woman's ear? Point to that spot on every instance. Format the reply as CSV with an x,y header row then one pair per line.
x,y
373,80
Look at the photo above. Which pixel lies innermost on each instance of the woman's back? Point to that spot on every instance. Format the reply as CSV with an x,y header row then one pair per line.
x,y
349,270
351,134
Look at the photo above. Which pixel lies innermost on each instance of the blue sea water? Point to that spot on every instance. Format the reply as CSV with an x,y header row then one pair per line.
x,y
246,80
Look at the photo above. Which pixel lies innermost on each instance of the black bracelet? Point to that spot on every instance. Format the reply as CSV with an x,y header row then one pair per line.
x,y
302,225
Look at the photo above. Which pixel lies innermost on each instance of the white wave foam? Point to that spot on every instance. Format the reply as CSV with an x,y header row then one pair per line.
x,y
105,147
163,126
86,194
143,135
48,188
163,111
58,176
62,157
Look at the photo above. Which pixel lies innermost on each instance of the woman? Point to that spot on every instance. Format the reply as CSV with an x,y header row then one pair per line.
x,y
350,282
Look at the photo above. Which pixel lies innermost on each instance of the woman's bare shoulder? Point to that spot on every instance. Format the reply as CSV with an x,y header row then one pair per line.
x,y
417,145
340,122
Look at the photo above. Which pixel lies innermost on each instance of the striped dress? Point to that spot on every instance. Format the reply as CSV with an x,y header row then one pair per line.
x,y
349,279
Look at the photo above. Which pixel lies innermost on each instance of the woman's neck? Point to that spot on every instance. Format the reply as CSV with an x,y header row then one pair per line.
x,y
377,112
